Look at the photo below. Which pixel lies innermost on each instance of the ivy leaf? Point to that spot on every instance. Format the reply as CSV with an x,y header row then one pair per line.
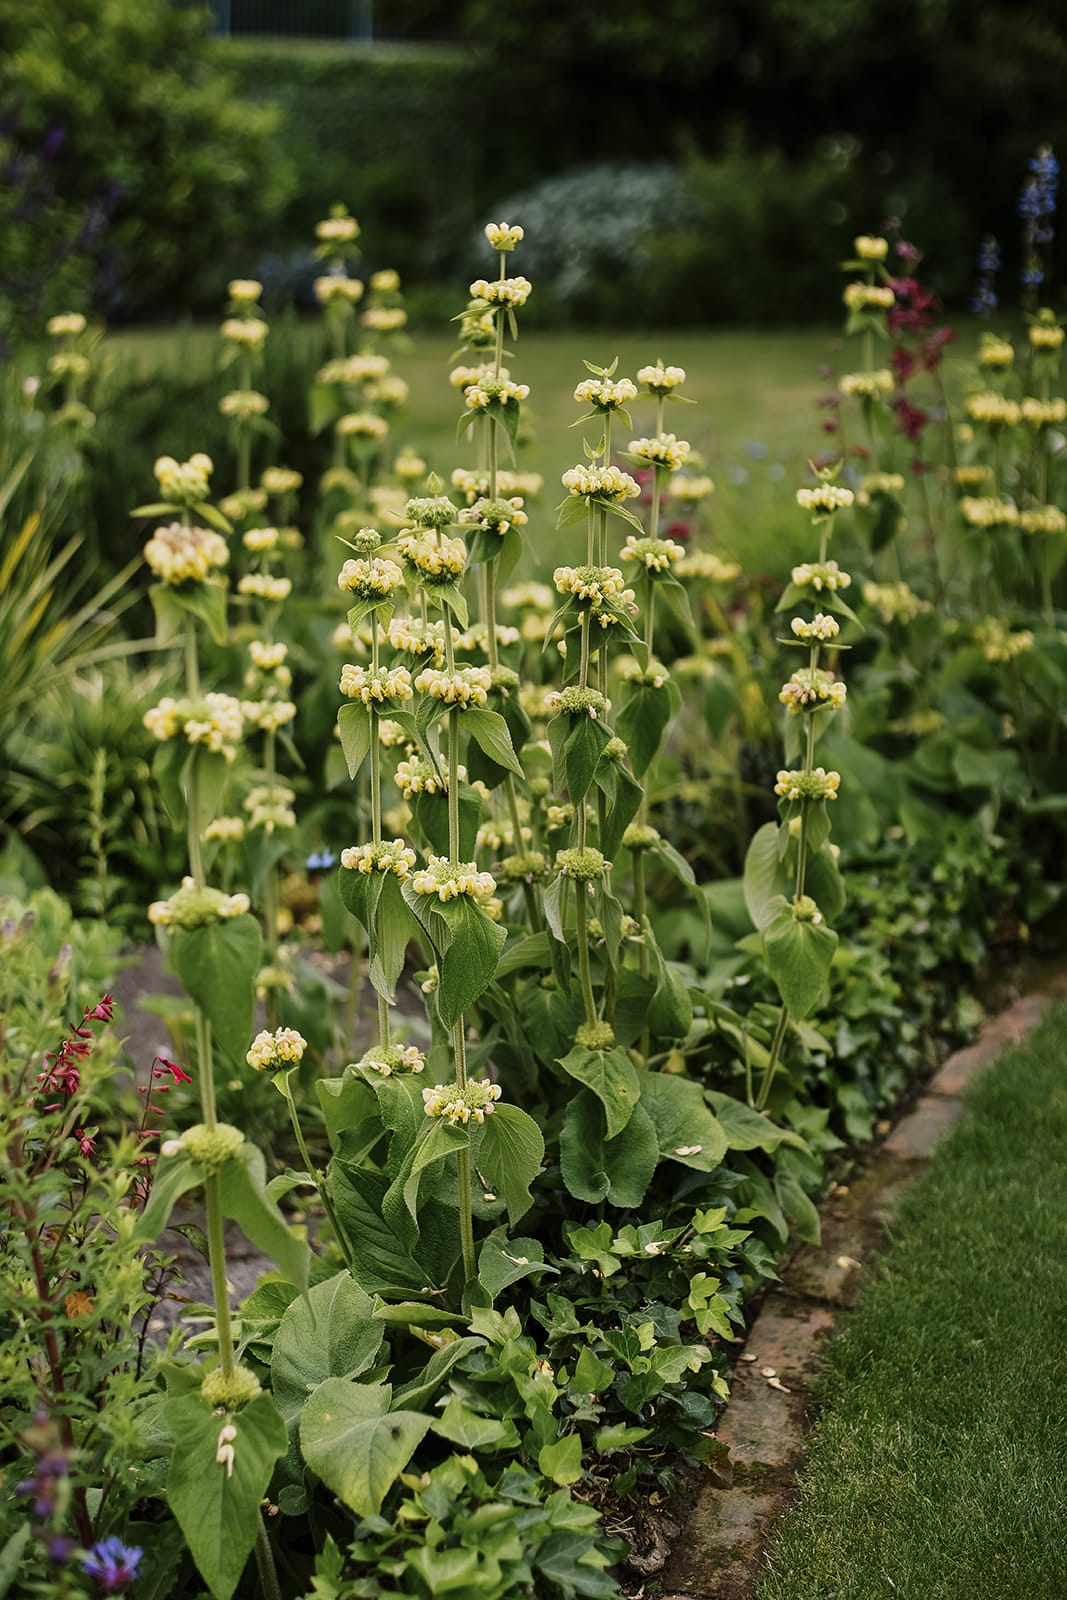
x,y
562,1461
356,1445
354,722
217,966
508,1153
216,1509
467,966
460,1425
490,731
612,1077
503,1261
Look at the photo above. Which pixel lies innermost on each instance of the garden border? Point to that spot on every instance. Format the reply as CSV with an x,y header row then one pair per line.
x,y
720,1553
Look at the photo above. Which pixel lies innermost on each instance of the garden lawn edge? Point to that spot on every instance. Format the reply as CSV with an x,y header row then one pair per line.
x,y
720,1554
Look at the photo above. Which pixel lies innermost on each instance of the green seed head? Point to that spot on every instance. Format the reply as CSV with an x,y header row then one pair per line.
x,y
230,1393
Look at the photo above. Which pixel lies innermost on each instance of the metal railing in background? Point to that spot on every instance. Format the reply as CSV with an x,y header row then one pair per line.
x,y
295,19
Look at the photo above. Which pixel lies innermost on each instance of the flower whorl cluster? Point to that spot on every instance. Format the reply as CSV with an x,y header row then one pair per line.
x,y
998,644
605,394
244,404
415,776
690,487
375,685
417,638
820,575
263,586
438,559
337,288
860,296
821,629
361,425
811,689
475,1101
211,1147
271,1052
1043,413
994,353
184,483
494,390
447,880
373,578
1043,519
1045,334
212,720
590,586
655,555
661,380
875,483
389,855
466,686
866,385
871,247
824,500
511,292
993,410
706,564
247,333
269,806
503,236
989,512
179,554
268,715
192,907
576,702
494,516
894,602
800,785
387,1059
582,865
663,450
587,482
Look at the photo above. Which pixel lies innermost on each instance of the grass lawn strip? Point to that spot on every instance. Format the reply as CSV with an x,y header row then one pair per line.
x,y
937,1467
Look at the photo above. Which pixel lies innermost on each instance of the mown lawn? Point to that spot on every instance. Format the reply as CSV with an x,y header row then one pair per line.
x,y
937,1471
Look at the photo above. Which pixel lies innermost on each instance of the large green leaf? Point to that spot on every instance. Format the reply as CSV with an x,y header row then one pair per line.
x,y
509,1150
354,722
218,1509
582,750
243,1191
382,1264
642,722
748,1129
686,1130
173,1177
490,731
765,876
328,1333
356,1445
612,1077
596,1169
217,966
467,966
798,956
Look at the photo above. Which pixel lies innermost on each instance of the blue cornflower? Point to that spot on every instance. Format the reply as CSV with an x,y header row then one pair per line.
x,y
756,449
320,861
1031,277
112,1563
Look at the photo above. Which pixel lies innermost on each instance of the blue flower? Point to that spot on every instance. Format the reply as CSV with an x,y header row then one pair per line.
x,y
112,1563
320,861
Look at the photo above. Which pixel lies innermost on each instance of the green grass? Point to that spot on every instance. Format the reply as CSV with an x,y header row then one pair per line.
x,y
937,1470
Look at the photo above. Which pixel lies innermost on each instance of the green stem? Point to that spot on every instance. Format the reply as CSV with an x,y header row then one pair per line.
x,y
316,1174
585,975
463,1159
268,1572
640,906
216,1246
772,1064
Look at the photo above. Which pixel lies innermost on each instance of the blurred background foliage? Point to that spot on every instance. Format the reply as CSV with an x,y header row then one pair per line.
x,y
146,155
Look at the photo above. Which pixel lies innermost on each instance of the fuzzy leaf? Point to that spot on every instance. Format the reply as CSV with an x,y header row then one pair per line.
x,y
218,1510
217,966
356,1445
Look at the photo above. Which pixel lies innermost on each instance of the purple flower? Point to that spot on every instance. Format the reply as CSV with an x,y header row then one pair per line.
x,y
112,1563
